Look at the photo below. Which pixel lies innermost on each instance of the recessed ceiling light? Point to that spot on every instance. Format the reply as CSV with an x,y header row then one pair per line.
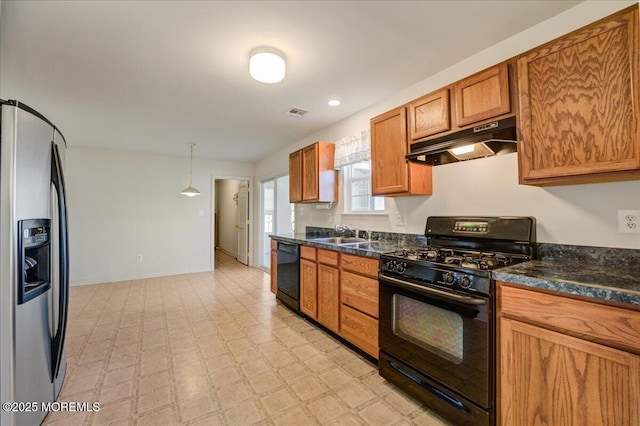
x,y
334,102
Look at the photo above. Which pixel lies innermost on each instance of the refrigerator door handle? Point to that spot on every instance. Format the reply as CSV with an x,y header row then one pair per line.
x,y
57,343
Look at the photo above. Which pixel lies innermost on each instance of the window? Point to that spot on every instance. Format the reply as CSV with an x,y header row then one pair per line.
x,y
357,189
278,215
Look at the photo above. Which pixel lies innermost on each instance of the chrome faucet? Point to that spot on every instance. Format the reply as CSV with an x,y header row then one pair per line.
x,y
343,229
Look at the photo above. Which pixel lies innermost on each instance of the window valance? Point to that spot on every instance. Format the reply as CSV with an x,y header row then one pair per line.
x,y
353,149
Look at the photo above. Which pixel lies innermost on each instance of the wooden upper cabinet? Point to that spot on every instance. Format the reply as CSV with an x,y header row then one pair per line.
x,y
483,96
312,177
429,115
580,105
391,173
295,177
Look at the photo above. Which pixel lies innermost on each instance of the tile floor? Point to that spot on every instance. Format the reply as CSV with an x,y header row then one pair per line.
x,y
215,349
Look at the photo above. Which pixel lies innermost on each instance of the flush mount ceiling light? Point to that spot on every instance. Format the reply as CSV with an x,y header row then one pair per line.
x,y
190,191
267,65
334,102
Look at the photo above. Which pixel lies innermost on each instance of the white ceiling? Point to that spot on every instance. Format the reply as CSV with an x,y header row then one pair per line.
x,y
153,75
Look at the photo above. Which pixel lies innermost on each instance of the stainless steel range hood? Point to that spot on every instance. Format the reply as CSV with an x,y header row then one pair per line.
x,y
495,138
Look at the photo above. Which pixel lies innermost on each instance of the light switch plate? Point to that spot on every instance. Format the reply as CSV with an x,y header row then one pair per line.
x,y
200,212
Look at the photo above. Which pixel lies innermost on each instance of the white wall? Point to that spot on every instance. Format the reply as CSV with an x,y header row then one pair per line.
x,y
577,214
227,210
123,203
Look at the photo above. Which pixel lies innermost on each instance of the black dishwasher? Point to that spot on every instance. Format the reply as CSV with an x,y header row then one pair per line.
x,y
289,275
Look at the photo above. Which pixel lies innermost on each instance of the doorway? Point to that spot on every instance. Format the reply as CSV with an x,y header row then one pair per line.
x,y
231,224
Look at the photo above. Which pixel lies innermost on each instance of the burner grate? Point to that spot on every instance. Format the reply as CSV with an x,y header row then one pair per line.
x,y
461,258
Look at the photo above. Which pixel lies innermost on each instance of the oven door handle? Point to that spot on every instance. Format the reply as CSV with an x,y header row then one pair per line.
x,y
432,291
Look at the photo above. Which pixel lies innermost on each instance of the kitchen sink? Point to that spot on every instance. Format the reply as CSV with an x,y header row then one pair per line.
x,y
340,240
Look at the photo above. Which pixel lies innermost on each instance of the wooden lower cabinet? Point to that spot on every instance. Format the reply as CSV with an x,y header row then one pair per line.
x,y
360,329
554,379
359,302
320,286
309,288
564,361
360,293
329,297
340,292
274,271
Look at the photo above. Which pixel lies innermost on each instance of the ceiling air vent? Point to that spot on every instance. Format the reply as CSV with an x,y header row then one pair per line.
x,y
299,112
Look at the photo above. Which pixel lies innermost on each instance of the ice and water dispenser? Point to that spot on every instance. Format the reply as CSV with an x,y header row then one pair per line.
x,y
33,258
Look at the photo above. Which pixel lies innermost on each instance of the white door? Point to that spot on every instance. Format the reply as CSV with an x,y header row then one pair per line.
x,y
243,223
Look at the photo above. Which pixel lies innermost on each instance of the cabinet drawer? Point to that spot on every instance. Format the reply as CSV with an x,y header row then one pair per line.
x,y
359,329
328,257
274,245
307,252
604,324
360,293
360,265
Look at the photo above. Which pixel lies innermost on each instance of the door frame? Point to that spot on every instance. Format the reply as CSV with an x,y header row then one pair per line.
x,y
259,214
212,225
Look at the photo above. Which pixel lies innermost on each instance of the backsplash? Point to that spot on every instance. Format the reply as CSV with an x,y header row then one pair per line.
x,y
409,240
601,256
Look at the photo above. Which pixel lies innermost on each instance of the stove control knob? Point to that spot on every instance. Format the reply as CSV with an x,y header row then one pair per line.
x,y
391,265
465,281
402,266
448,277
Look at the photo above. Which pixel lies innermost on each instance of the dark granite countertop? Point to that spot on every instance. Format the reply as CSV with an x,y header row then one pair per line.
x,y
368,248
595,272
619,284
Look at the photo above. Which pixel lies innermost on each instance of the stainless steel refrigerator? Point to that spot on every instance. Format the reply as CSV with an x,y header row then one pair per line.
x,y
34,261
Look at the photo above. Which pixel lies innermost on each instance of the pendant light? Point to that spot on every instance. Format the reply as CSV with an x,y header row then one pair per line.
x,y
190,191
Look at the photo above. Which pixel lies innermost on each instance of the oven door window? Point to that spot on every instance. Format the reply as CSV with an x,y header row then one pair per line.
x,y
437,330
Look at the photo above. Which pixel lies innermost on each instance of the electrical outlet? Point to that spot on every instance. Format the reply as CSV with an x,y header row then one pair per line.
x,y
629,221
401,220
138,258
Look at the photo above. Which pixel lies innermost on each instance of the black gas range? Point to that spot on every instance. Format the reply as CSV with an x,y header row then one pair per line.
x,y
437,312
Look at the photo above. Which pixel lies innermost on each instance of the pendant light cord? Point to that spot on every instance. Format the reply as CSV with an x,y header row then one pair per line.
x,y
191,164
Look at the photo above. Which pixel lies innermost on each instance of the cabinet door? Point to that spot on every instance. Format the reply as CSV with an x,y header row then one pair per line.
x,y
389,173
483,96
295,177
309,288
310,173
274,271
429,115
580,105
329,297
551,378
